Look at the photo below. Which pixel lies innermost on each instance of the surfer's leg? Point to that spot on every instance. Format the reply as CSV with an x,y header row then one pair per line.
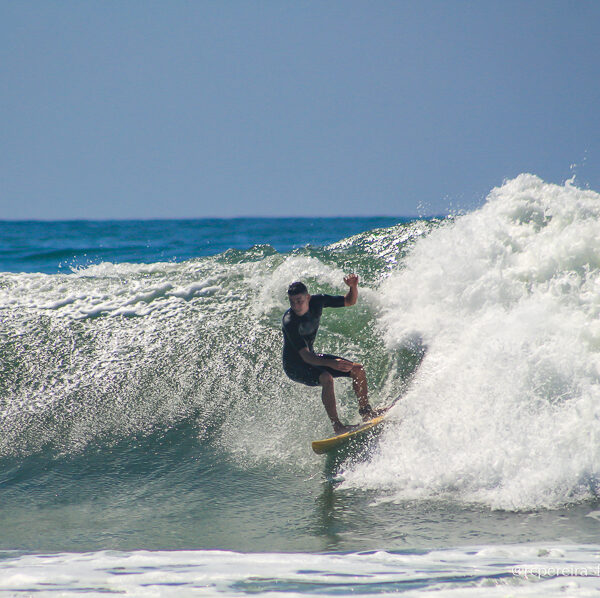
x,y
328,398
359,384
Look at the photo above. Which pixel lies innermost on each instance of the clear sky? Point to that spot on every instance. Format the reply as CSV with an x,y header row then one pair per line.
x,y
192,109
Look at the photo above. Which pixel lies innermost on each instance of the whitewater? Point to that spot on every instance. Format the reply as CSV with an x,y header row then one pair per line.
x,y
151,445
505,409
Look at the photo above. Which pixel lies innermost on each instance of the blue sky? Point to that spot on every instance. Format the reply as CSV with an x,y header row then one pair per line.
x,y
144,109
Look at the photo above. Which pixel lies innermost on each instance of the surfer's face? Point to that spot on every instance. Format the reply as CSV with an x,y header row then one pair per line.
x,y
299,303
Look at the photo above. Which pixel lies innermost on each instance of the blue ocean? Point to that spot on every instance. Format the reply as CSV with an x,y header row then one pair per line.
x,y
150,444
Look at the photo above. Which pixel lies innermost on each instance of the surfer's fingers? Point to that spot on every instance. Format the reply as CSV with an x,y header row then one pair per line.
x,y
344,365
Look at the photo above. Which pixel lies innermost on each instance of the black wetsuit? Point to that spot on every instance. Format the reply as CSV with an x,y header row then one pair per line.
x,y
300,332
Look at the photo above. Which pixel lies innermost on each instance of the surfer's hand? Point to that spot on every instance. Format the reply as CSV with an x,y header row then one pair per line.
x,y
351,280
342,365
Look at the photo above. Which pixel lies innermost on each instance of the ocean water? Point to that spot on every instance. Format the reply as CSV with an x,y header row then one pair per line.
x,y
150,444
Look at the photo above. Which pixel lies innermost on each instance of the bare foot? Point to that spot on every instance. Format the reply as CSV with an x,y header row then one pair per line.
x,y
340,428
374,413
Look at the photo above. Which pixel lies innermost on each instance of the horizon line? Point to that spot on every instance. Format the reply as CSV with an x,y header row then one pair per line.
x,y
198,218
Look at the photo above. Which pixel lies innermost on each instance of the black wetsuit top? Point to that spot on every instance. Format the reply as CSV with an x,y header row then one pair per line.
x,y
300,331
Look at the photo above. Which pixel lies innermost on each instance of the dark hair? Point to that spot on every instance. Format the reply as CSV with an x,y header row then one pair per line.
x,y
297,288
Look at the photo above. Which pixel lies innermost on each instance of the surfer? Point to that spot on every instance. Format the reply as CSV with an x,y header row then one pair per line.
x,y
300,362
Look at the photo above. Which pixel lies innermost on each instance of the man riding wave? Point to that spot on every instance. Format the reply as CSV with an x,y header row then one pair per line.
x,y
300,362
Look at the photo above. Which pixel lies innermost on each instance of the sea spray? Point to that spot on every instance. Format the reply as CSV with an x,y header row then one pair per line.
x,y
505,408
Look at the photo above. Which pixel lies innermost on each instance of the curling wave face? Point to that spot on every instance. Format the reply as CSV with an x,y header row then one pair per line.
x,y
111,351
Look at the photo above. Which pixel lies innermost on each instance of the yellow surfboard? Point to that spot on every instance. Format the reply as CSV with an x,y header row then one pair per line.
x,y
324,446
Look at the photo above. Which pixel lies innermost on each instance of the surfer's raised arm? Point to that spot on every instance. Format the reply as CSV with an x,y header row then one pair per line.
x,y
352,295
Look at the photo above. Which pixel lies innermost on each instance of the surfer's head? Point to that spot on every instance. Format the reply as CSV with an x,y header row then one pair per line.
x,y
297,288
299,298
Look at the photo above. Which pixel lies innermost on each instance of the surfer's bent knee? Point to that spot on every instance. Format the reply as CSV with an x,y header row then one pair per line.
x,y
325,379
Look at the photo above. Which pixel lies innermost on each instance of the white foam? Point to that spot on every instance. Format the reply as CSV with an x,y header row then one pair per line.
x,y
520,570
504,409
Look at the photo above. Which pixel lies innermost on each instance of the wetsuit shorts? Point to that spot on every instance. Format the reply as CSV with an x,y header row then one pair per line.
x,y
309,374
